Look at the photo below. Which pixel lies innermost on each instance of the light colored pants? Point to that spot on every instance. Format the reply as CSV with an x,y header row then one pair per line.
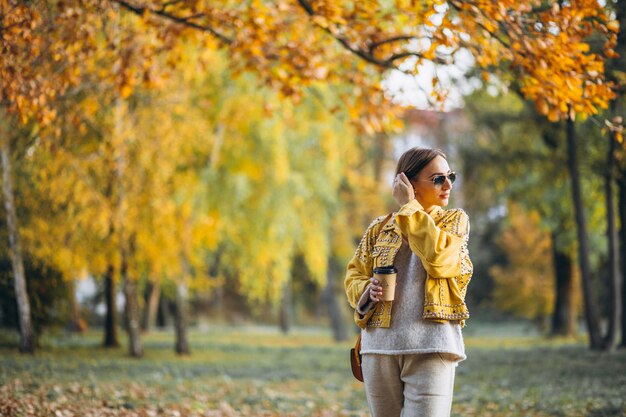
x,y
415,385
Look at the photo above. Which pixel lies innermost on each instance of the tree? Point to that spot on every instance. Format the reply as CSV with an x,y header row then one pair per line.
x,y
530,170
616,172
27,336
591,310
523,286
47,50
576,25
545,48
52,49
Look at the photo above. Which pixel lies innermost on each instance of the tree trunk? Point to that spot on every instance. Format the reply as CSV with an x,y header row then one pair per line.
x,y
110,319
217,302
286,308
218,294
619,63
591,309
27,335
217,146
622,237
164,313
182,320
151,306
76,324
615,279
382,145
331,304
564,316
125,239
135,348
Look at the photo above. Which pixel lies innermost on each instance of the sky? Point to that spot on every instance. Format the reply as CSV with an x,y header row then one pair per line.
x,y
416,90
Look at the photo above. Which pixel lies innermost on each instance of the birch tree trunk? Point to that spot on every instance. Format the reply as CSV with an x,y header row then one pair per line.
x,y
27,335
76,324
135,349
152,306
286,308
182,319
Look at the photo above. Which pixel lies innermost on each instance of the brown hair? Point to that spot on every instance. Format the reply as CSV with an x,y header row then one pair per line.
x,y
413,161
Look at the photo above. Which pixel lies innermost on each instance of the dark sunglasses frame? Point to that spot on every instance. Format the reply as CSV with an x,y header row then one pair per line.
x,y
439,180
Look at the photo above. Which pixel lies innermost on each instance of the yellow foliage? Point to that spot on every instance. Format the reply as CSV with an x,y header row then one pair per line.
x,y
525,285
178,163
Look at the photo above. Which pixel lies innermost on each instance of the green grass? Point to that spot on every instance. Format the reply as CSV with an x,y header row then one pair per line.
x,y
257,371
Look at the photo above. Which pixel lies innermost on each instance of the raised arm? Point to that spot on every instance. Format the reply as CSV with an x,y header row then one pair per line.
x,y
439,248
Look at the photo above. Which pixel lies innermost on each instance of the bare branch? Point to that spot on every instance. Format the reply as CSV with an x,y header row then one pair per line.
x,y
491,33
307,6
395,57
193,16
170,3
182,20
365,55
362,54
399,38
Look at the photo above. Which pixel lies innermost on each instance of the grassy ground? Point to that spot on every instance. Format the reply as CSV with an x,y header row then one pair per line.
x,y
259,372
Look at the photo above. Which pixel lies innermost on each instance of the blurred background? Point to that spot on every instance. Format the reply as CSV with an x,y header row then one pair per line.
x,y
189,191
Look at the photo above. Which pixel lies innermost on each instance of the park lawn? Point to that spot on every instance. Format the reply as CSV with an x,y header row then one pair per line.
x,y
257,371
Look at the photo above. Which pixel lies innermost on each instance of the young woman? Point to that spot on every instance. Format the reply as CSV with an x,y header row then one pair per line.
x,y
411,346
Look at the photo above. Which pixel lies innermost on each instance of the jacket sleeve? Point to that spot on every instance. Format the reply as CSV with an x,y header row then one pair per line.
x,y
360,268
438,248
467,269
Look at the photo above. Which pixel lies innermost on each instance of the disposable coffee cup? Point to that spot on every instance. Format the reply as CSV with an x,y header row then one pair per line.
x,y
386,275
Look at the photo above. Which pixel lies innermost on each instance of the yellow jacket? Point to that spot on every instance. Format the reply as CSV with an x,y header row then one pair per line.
x,y
439,238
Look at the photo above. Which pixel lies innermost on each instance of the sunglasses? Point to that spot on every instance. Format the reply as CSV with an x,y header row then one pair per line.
x,y
439,180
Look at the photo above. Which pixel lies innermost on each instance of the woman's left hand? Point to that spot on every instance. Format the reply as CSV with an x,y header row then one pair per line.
x,y
376,291
402,189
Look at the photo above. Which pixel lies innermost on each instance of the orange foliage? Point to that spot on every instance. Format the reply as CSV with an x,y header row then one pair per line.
x,y
545,47
291,44
548,50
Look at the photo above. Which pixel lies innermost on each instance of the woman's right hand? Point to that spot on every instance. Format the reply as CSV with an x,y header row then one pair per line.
x,y
402,191
376,291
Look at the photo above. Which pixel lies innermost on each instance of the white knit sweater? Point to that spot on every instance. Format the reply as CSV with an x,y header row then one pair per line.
x,y
409,332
